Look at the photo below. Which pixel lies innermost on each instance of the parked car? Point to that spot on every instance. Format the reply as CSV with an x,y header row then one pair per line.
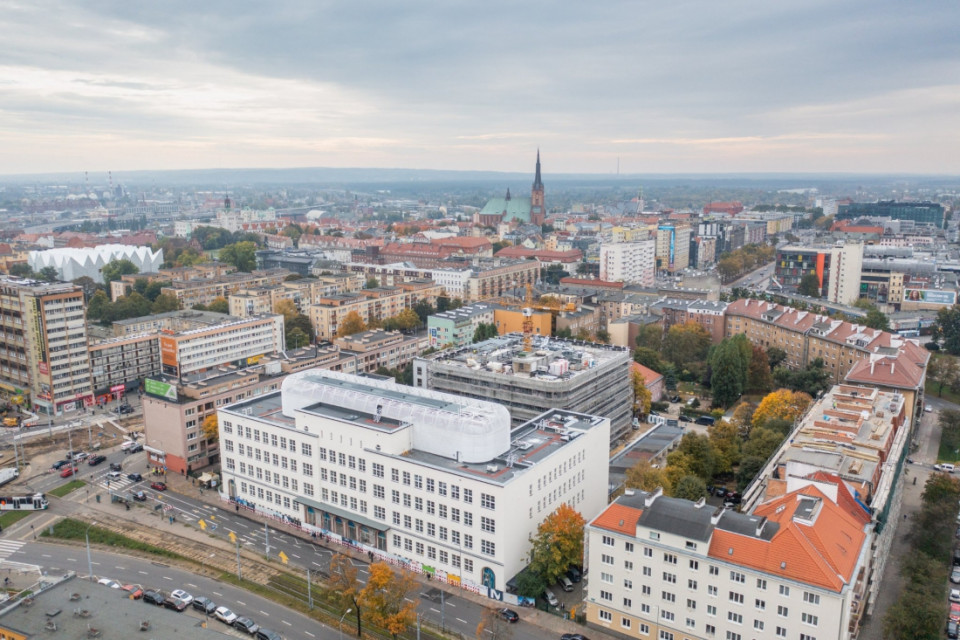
x,y
66,472
675,399
574,574
107,582
116,466
565,584
684,418
82,455
225,615
125,409
955,611
246,624
952,629
137,448
954,595
136,477
140,496
60,463
204,604
135,590
153,597
267,634
183,595
928,409
508,614
574,636
955,575
706,421
175,603
551,598
956,557
159,486
95,460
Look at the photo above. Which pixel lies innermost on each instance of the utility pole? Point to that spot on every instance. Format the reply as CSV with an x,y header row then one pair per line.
x,y
266,533
309,593
239,572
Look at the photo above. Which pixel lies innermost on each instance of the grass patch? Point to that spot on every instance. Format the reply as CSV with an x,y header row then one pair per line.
x,y
946,454
948,395
63,490
70,529
9,517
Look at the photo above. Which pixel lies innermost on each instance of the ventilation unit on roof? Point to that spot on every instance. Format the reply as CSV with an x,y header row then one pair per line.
x,y
492,468
524,446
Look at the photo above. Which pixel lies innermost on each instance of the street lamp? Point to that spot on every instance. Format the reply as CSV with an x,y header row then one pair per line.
x,y
341,621
86,535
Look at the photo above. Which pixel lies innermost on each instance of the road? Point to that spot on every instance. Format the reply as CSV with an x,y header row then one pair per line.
x,y
756,279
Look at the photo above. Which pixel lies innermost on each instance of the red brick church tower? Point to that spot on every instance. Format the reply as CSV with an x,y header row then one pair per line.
x,y
538,212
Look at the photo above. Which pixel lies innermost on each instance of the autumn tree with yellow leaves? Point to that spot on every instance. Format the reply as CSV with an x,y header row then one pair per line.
x,y
782,404
385,598
558,543
351,324
345,586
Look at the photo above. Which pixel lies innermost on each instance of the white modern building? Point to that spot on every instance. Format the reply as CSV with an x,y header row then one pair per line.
x,y
237,341
431,479
72,263
845,271
670,569
633,262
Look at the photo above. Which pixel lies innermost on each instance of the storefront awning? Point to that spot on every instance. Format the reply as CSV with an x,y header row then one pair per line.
x,y
154,451
343,513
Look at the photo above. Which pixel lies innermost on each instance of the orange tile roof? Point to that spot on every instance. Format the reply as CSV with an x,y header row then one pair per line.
x,y
619,518
649,375
822,553
890,371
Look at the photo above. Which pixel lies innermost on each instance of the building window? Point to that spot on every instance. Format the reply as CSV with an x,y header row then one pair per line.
x,y
605,559
606,595
811,598
736,597
737,577
487,501
735,618
487,548
670,558
810,619
782,611
785,590
625,623
760,604
692,585
761,584
606,616
487,524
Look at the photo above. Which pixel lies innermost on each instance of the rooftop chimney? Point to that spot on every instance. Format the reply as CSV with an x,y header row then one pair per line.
x,y
648,501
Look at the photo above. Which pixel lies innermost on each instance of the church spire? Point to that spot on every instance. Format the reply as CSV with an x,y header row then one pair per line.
x,y
537,182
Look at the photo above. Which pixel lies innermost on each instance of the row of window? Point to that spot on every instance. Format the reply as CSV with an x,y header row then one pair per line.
x,y
690,623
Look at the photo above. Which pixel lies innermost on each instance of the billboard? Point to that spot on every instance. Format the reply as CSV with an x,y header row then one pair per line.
x,y
161,389
930,296
168,351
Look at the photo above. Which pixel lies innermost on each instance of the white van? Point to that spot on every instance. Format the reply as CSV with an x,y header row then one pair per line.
x,y
127,444
948,468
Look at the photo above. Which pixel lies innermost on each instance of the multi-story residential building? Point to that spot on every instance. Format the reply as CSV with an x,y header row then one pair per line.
x,y
431,255
708,314
673,247
370,304
118,365
43,344
302,292
174,409
194,292
203,271
775,221
924,212
237,341
703,251
495,278
857,436
671,569
182,320
440,480
378,348
805,336
456,327
591,379
479,280
633,262
837,269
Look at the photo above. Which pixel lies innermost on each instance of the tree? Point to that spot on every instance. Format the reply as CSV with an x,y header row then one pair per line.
x,y
602,336
211,428
287,308
219,305
293,232
424,310
153,289
164,303
407,320
725,439
492,626
776,355
701,458
876,319
743,418
351,324
371,283
759,376
809,286
530,584
242,255
749,467
296,338
686,343
650,336
783,404
345,587
385,597
729,372
812,380
89,286
21,270
97,306
944,371
650,359
558,543
690,488
115,269
49,274
947,327
641,395
484,331
761,443
646,477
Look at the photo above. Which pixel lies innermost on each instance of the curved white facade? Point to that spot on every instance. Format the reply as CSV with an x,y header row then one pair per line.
x,y
444,424
72,263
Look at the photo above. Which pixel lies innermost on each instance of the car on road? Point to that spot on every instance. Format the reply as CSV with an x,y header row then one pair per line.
x,y
140,496
246,624
135,590
107,582
137,448
95,460
174,603
83,455
60,463
225,615
159,486
267,634
66,472
136,477
116,466
114,475
201,603
153,597
684,418
508,614
182,595
124,409
574,636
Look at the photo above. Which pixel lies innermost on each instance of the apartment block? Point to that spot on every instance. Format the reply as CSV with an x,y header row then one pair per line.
x,y
456,327
237,341
921,212
837,269
118,365
370,304
440,480
194,292
633,262
588,378
708,314
378,348
673,247
43,344
671,569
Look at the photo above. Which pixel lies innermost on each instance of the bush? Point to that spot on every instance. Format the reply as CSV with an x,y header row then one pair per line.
x,y
932,346
659,406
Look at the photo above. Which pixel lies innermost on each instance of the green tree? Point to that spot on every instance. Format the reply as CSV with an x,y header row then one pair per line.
x,y
530,584
686,344
947,327
759,376
484,331
725,440
809,286
154,289
242,255
602,336
650,336
97,306
49,274
164,303
557,544
371,283
876,319
812,379
646,477
296,338
943,371
89,286
702,458
749,467
21,270
761,443
115,269
219,305
776,355
424,310
690,488
649,358
728,373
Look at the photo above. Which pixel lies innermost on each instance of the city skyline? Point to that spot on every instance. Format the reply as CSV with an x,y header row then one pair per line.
x,y
691,88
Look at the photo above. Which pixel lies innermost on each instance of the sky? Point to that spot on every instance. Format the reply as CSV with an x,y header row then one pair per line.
x,y
650,87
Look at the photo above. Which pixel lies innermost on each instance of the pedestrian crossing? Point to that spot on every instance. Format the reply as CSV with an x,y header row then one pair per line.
x,y
123,483
9,547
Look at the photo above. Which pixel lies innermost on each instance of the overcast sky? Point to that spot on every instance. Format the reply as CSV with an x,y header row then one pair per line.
x,y
667,86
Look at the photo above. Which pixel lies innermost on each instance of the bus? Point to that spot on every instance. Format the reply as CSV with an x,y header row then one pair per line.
x,y
36,502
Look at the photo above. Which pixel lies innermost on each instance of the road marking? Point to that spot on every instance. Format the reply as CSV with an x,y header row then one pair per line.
x,y
143,572
286,623
310,634
295,556
229,529
166,578
449,604
434,610
71,559
317,563
94,563
118,567
192,585
462,620
408,599
242,604
363,571
219,595
45,555
264,613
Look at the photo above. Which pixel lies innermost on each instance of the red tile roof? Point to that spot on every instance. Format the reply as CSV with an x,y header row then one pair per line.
x,y
619,518
890,371
649,375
